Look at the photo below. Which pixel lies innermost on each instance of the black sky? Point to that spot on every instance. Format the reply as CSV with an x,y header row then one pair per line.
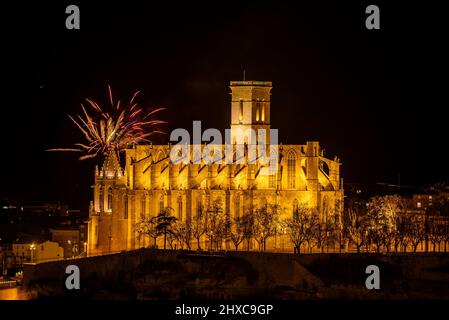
x,y
374,98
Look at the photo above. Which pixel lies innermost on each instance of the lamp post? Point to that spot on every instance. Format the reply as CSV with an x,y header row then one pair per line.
x,y
32,248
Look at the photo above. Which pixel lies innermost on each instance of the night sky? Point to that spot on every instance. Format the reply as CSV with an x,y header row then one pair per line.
x,y
374,98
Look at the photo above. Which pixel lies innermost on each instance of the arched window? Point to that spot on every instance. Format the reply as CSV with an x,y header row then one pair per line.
x,y
241,111
180,208
143,207
125,206
161,204
295,209
237,206
291,169
101,198
110,199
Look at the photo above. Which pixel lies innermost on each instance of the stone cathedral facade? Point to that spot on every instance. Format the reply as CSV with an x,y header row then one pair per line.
x,y
150,181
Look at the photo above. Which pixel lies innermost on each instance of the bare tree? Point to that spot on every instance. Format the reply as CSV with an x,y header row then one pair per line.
x,y
436,233
183,231
216,224
237,231
401,237
165,221
312,229
331,228
247,221
446,235
266,220
299,227
357,226
148,227
337,213
198,226
417,231
383,212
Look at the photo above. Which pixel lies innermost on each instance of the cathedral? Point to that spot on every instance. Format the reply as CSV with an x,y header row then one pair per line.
x,y
150,181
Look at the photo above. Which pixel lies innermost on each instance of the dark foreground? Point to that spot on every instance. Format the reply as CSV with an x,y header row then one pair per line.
x,y
159,274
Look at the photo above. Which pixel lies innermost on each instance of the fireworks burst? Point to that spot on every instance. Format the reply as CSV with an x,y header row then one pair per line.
x,y
119,126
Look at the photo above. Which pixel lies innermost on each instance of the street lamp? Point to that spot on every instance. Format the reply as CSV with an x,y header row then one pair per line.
x,y
32,248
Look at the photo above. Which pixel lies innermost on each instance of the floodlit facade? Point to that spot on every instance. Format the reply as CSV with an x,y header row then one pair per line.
x,y
150,181
45,251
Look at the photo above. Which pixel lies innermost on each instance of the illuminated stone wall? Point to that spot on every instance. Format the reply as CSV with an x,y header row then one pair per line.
x,y
150,180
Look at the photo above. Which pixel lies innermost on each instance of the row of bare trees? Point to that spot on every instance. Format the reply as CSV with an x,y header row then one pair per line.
x,y
386,224
382,224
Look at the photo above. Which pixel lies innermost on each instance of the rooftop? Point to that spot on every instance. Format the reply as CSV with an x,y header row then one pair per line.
x,y
252,83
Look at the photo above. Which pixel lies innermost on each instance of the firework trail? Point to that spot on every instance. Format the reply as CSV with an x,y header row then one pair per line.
x,y
118,127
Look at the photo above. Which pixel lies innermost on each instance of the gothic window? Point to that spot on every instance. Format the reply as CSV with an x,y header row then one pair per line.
x,y
142,206
110,199
180,208
125,200
237,206
291,169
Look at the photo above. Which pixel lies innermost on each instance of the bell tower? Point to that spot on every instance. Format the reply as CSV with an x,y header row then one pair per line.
x,y
250,109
